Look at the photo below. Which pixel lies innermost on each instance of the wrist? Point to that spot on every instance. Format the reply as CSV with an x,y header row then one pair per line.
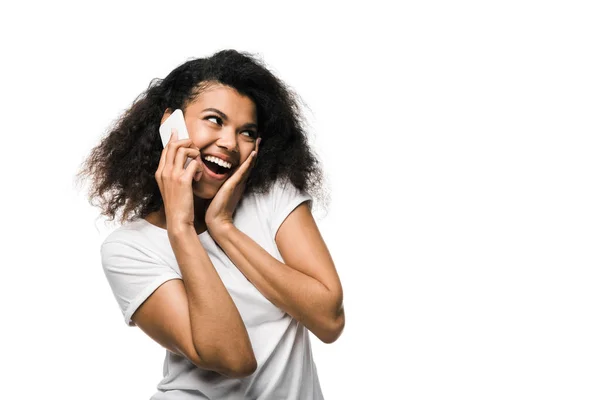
x,y
220,229
179,229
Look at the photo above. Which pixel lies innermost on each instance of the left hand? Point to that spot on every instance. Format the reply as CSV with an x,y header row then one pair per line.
x,y
220,210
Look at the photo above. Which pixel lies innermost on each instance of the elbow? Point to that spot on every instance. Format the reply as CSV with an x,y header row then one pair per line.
x,y
240,369
233,364
237,364
334,328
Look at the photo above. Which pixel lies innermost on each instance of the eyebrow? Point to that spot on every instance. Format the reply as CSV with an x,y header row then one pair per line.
x,y
224,116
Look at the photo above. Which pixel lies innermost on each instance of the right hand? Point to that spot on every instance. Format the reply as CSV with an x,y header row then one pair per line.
x,y
175,182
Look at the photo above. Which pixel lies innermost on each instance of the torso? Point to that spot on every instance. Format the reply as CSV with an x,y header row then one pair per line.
x,y
281,344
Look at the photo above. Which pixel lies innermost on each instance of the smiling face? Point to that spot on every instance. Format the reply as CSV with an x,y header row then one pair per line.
x,y
222,124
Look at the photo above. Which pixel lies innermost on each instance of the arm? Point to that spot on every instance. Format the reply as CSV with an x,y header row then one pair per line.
x,y
197,318
306,285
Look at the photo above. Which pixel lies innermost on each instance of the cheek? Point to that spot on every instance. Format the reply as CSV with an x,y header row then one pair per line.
x,y
244,158
246,151
200,135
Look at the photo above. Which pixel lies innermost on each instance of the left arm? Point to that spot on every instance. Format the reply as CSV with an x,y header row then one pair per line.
x,y
306,285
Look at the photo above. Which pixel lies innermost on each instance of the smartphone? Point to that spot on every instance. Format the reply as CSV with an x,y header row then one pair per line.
x,y
176,121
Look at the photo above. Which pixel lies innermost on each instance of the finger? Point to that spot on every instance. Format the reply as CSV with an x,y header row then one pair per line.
x,y
194,170
172,150
257,144
197,167
161,165
169,149
242,171
182,155
163,154
256,151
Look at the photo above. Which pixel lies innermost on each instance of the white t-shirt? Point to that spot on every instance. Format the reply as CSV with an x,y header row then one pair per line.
x,y
137,258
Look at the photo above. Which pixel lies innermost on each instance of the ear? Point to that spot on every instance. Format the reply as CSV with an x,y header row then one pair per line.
x,y
166,115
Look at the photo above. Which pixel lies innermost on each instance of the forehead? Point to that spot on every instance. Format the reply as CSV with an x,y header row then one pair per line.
x,y
227,100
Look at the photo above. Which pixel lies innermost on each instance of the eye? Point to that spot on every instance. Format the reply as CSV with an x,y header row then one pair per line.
x,y
250,134
218,120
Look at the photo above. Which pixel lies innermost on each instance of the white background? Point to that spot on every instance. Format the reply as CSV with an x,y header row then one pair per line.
x,y
460,140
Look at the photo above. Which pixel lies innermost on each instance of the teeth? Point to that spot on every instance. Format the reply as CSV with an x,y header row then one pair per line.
x,y
218,161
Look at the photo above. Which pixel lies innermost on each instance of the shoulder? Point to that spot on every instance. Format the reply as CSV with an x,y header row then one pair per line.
x,y
280,195
133,264
272,207
131,237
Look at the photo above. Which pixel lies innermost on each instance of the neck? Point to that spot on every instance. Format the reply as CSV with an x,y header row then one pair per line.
x,y
200,206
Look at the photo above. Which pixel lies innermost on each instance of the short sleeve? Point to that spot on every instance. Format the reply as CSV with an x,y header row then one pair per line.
x,y
284,198
133,273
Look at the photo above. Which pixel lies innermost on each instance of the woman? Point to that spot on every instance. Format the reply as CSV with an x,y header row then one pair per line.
x,y
220,262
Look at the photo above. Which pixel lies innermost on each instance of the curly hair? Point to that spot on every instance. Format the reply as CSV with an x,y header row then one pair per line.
x,y
123,164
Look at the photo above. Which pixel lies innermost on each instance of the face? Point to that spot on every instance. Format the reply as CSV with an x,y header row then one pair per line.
x,y
222,124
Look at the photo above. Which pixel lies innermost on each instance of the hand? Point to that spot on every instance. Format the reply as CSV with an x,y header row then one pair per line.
x,y
175,182
220,211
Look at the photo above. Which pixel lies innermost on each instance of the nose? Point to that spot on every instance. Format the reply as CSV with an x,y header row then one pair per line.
x,y
228,140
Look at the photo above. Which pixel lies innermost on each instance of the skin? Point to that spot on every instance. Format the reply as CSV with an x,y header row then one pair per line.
x,y
209,133
196,317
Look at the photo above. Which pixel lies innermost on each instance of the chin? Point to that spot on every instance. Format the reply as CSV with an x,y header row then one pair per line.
x,y
203,194
204,191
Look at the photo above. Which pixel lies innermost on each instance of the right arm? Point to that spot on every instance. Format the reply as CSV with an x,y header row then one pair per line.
x,y
196,318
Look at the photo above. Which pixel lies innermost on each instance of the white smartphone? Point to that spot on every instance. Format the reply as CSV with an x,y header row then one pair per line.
x,y
176,121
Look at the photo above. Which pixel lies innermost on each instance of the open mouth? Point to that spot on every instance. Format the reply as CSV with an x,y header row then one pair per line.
x,y
216,168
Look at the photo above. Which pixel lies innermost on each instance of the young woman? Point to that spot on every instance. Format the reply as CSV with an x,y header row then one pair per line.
x,y
220,262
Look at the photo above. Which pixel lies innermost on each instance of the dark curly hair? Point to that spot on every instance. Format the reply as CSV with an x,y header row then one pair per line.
x,y
123,165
